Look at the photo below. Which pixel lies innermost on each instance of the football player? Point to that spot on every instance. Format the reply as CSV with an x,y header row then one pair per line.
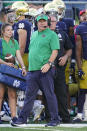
x,y
22,29
81,55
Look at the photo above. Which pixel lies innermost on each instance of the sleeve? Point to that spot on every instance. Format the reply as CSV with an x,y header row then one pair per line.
x,y
16,45
77,30
71,23
54,42
68,44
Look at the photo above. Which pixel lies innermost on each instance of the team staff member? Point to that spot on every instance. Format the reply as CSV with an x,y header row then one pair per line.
x,y
9,46
60,63
43,50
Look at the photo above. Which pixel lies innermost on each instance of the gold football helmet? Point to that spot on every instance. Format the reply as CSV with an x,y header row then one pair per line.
x,y
50,8
20,7
60,8
31,12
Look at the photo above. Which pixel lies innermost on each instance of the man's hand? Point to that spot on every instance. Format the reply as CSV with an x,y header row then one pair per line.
x,y
63,60
81,74
45,68
10,64
24,72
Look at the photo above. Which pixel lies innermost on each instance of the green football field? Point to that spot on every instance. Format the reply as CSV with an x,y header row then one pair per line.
x,y
41,127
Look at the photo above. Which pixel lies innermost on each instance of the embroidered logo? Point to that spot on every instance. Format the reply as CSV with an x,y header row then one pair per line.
x,y
21,25
43,35
12,46
59,35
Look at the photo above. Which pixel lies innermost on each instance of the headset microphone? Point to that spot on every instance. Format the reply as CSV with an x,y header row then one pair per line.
x,y
45,26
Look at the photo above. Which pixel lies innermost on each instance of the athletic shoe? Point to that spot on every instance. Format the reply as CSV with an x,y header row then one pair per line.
x,y
38,112
5,118
52,123
77,119
19,123
14,119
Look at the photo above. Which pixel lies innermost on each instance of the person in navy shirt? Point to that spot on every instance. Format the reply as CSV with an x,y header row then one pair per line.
x,y
81,55
60,64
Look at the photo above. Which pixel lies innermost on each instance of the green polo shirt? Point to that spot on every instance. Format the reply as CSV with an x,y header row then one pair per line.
x,y
41,46
9,48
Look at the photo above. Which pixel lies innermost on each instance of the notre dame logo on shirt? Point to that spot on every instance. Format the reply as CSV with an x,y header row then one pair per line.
x,y
21,25
60,36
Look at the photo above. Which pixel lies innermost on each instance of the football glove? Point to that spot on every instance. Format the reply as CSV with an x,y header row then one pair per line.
x,y
81,74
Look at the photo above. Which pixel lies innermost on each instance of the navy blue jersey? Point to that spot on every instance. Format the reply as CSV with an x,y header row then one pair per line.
x,y
65,44
14,26
69,23
23,24
82,31
61,26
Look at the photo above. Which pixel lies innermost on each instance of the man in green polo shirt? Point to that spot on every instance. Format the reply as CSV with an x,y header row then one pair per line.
x,y
43,50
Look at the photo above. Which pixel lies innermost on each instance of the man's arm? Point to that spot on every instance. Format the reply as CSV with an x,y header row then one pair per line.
x,y
22,40
78,51
47,66
53,55
71,31
63,59
20,60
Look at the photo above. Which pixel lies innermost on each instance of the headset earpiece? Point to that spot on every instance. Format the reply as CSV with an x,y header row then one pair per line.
x,y
49,21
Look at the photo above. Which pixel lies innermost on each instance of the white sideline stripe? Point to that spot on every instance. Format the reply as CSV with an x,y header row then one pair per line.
x,y
73,125
43,125
42,129
27,125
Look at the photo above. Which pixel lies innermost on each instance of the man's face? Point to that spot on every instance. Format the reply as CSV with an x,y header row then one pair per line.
x,y
11,17
53,22
83,17
60,13
42,24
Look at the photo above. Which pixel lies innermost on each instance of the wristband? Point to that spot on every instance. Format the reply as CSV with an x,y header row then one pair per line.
x,y
50,63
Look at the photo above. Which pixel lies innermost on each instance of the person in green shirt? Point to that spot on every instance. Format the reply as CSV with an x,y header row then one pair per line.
x,y
43,50
9,46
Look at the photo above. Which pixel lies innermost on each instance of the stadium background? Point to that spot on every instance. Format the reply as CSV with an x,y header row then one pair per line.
x,y
72,11
72,6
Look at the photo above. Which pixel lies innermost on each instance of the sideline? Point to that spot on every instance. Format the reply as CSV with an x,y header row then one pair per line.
x,y
43,125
